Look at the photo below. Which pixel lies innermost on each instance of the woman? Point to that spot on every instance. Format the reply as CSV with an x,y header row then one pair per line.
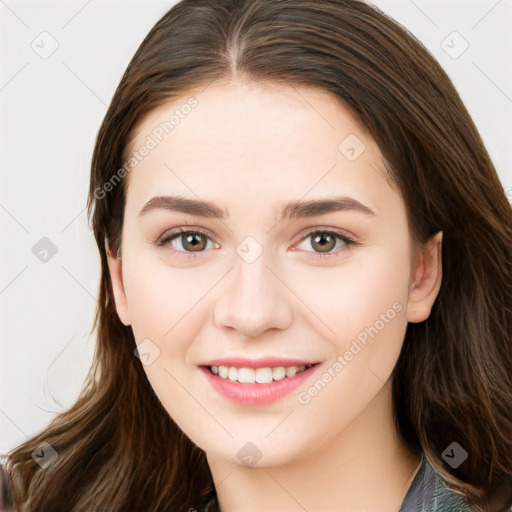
x,y
306,281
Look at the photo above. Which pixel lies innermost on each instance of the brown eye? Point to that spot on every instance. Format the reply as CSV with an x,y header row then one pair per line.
x,y
323,242
327,243
186,241
193,241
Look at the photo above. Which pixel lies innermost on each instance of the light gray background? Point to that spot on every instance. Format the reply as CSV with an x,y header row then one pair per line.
x,y
51,110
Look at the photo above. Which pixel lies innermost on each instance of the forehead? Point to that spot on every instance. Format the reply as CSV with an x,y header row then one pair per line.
x,y
272,139
251,113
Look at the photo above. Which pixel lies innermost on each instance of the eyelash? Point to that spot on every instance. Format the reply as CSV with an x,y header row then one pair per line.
x,y
173,234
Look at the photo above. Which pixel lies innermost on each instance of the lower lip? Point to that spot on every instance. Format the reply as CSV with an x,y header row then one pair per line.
x,y
257,394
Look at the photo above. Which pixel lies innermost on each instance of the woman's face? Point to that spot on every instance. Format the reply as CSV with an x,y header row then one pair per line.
x,y
273,182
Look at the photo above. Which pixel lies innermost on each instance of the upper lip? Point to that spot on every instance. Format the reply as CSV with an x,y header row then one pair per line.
x,y
262,362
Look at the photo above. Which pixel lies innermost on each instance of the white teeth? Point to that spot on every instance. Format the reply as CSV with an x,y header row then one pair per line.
x,y
263,375
278,373
245,375
256,375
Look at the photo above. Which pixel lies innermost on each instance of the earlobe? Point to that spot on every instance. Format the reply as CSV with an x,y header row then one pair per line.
x,y
426,282
116,278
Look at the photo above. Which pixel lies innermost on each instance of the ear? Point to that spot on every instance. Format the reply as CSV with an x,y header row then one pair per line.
x,y
426,279
116,278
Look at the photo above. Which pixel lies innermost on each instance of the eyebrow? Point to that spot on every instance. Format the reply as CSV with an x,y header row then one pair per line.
x,y
289,210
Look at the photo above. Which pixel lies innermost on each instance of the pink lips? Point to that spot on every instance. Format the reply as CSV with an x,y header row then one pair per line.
x,y
257,394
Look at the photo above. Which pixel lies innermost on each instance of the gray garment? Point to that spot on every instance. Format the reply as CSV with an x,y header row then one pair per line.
x,y
428,493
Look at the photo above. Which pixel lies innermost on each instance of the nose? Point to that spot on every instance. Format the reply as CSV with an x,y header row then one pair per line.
x,y
253,300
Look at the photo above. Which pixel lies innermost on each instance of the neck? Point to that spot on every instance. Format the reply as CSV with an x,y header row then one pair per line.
x,y
367,466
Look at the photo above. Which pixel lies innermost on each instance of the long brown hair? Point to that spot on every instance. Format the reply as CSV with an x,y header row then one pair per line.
x,y
117,447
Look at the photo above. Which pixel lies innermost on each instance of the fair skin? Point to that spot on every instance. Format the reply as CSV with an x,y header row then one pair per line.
x,y
248,148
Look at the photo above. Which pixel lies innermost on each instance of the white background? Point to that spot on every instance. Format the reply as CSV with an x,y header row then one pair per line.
x,y
51,110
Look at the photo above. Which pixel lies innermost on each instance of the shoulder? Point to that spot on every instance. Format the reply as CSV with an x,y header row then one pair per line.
x,y
429,493
7,503
208,503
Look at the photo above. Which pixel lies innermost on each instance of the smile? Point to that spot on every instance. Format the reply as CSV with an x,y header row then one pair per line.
x,y
257,375
260,386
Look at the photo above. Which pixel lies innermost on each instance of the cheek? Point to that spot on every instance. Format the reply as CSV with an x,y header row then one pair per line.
x,y
162,299
345,300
